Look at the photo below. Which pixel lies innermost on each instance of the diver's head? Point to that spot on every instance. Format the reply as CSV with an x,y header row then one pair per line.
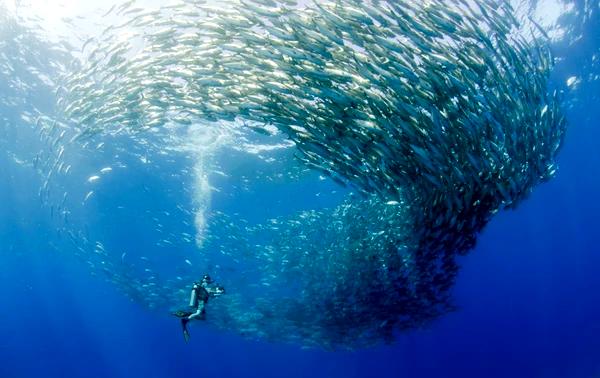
x,y
206,280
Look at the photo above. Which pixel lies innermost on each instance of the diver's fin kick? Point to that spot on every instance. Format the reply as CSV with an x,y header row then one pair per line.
x,y
186,333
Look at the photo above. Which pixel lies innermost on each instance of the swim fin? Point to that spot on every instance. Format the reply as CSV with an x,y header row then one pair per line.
x,y
182,313
186,333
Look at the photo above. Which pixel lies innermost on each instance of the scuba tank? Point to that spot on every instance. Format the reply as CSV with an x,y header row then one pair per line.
x,y
194,296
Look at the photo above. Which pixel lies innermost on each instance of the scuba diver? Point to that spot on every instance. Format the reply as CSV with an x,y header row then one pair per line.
x,y
201,291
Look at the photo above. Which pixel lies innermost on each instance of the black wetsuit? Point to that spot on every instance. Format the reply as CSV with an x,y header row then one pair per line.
x,y
202,295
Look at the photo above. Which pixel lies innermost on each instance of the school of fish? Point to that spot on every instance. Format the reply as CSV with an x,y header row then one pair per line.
x,y
435,114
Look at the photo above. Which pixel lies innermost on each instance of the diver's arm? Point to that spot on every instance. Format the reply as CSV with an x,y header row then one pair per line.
x,y
216,291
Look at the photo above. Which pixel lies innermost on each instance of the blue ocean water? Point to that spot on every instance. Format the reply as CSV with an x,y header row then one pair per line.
x,y
528,296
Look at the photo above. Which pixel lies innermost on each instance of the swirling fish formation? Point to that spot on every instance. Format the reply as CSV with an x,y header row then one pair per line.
x,y
438,112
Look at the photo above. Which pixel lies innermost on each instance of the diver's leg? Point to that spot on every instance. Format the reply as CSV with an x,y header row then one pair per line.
x,y
199,314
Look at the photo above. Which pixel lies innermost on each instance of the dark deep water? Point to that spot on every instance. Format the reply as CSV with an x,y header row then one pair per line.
x,y
528,296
